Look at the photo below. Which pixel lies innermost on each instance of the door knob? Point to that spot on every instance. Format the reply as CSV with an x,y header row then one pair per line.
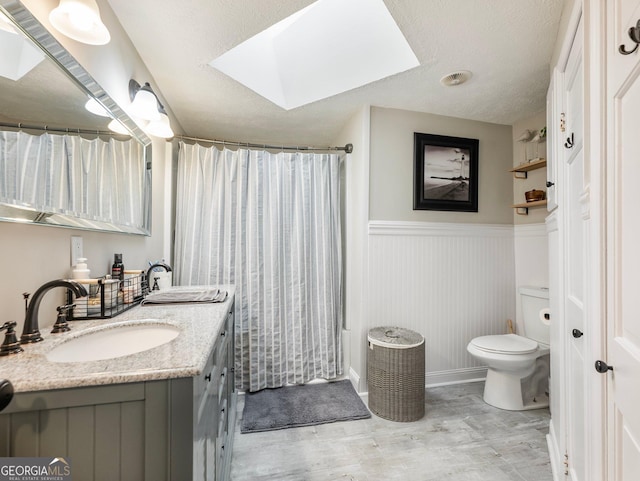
x,y
576,333
6,393
550,184
603,367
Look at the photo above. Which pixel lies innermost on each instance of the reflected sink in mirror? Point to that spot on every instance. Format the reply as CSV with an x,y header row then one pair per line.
x,y
114,341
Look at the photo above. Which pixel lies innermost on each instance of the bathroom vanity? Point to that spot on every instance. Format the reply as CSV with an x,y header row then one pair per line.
x,y
167,413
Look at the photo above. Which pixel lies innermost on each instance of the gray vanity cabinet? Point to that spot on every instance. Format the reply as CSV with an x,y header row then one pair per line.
x,y
202,410
175,430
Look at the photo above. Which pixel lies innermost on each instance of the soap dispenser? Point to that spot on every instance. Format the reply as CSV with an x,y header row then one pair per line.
x,y
81,271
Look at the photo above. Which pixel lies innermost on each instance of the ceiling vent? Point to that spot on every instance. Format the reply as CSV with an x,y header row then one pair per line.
x,y
456,78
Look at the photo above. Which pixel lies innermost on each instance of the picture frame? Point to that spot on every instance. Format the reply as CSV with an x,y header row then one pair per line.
x,y
445,173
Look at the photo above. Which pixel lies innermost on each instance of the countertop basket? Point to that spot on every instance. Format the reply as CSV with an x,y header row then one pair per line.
x,y
107,297
396,373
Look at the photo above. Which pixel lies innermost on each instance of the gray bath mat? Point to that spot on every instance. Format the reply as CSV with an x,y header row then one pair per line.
x,y
294,406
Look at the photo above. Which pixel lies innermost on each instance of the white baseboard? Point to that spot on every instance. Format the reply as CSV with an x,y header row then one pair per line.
x,y
554,455
456,376
355,379
434,379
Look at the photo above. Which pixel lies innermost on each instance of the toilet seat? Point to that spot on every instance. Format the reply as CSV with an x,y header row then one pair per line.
x,y
505,344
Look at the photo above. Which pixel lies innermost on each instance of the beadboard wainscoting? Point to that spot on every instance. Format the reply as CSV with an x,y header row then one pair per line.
x,y
532,260
449,282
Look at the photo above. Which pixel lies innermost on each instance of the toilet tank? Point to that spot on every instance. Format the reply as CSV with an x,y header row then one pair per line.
x,y
535,303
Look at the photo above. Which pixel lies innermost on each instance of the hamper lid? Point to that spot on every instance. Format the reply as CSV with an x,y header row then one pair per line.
x,y
395,337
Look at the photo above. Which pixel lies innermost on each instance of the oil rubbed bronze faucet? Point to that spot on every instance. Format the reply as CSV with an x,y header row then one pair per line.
x,y
31,332
154,287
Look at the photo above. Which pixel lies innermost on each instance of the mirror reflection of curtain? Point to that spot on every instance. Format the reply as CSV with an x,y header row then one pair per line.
x,y
94,179
270,225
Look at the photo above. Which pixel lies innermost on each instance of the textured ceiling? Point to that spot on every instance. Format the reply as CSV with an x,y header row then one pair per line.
x,y
507,44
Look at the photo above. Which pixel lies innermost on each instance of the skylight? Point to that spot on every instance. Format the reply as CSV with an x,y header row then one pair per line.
x,y
17,55
329,47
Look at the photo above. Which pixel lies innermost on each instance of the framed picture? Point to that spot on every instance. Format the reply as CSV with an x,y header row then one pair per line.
x,y
445,173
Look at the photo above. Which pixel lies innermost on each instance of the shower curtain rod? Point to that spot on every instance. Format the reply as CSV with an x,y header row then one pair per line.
x,y
45,128
347,148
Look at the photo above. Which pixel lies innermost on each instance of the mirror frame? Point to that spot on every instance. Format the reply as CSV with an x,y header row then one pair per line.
x,y
31,28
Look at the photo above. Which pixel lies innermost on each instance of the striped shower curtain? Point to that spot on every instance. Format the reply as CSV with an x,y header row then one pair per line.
x,y
269,224
94,179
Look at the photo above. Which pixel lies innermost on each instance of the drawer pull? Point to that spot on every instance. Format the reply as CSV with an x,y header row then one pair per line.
x,y
208,377
223,333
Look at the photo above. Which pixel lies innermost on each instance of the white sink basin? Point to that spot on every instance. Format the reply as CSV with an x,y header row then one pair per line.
x,y
114,341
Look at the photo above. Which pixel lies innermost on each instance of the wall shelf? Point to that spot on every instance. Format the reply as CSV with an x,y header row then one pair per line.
x,y
528,166
523,209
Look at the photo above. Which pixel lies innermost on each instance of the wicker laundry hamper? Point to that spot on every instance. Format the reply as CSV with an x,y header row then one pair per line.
x,y
395,373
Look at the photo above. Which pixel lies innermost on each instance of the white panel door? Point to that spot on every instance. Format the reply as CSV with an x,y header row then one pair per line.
x,y
554,132
574,255
623,241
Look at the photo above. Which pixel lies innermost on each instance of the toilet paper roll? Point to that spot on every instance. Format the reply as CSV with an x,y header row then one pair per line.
x,y
545,316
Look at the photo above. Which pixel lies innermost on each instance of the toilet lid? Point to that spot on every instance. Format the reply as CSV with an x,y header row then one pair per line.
x,y
505,344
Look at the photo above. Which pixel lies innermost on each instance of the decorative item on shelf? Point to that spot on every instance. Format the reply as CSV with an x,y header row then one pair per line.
x,y
536,140
534,195
525,136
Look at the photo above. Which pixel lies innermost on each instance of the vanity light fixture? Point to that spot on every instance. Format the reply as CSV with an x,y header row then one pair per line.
x,y
145,105
80,20
144,102
161,127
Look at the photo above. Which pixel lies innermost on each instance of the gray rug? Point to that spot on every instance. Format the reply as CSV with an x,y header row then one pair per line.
x,y
295,406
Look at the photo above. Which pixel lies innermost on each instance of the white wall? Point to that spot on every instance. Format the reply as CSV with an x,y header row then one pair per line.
x,y
530,232
354,223
33,255
531,249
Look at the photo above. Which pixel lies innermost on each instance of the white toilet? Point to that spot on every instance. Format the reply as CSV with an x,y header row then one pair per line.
x,y
518,365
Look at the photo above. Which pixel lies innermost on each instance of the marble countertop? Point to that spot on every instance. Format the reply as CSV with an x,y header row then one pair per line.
x,y
185,356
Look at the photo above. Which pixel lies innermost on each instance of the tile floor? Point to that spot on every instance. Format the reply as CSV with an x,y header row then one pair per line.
x,y
460,438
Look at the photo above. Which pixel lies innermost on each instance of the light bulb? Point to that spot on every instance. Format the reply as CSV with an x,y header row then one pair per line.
x,y
160,128
145,104
80,20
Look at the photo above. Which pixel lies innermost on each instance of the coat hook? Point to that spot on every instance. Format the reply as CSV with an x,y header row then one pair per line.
x,y
569,143
634,34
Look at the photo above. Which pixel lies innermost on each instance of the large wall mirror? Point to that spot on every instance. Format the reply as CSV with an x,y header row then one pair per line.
x,y
61,165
